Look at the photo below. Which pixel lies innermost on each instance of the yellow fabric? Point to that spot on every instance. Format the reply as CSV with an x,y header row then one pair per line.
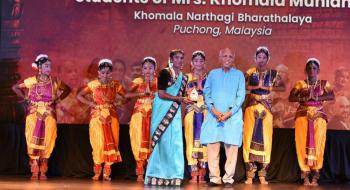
x,y
188,124
135,132
251,71
50,134
301,84
29,82
50,121
249,121
97,137
102,112
320,126
143,106
190,77
138,81
93,84
301,127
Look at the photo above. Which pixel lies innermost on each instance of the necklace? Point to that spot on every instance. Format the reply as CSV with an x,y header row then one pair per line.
x,y
310,85
41,83
262,75
313,95
105,91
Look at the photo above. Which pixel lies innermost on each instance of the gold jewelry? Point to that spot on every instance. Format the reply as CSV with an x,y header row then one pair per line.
x,y
41,84
308,84
103,94
313,87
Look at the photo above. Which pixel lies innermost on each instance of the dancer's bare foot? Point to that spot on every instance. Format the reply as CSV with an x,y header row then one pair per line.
x,y
43,177
140,178
194,179
306,181
106,177
202,180
35,176
96,177
263,181
314,182
249,181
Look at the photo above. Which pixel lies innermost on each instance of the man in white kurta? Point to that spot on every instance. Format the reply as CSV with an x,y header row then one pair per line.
x,y
224,93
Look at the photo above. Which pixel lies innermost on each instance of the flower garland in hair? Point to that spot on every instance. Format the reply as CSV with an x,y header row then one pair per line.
x,y
265,49
170,65
262,48
314,59
150,58
198,52
108,61
40,56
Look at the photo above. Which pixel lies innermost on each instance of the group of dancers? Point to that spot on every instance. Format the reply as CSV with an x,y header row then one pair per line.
x,y
222,106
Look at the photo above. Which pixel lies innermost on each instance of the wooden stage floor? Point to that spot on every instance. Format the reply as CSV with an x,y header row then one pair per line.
x,y
23,183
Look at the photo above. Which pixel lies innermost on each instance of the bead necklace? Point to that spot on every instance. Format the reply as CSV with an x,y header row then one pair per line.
x,y
41,83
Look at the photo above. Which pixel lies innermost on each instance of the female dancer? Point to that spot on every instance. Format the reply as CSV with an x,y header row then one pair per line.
x,y
195,152
311,121
143,89
44,92
257,132
104,124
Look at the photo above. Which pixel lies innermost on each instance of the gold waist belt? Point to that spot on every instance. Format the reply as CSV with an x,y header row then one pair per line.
x,y
104,106
145,100
40,104
261,97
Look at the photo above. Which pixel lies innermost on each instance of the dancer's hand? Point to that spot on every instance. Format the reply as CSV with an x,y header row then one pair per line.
x,y
148,90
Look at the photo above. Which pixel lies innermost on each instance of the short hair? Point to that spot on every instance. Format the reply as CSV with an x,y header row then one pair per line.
x,y
222,50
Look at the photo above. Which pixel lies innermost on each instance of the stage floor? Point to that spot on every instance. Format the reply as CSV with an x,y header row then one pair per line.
x,y
23,183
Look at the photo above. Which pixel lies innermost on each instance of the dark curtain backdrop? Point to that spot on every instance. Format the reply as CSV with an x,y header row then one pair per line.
x,y
72,155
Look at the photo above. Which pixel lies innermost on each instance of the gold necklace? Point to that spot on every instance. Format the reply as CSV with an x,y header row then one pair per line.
x,y
314,85
104,94
41,83
262,75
